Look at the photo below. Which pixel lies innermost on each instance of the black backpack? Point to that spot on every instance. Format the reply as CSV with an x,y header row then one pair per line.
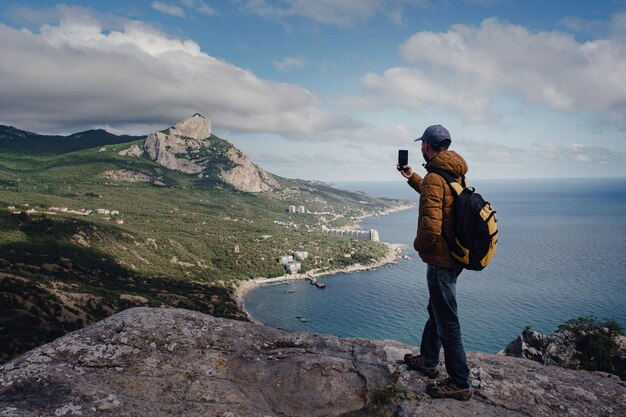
x,y
475,225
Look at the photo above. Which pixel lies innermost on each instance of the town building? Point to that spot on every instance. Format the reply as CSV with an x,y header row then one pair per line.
x,y
298,209
285,259
371,234
300,255
292,267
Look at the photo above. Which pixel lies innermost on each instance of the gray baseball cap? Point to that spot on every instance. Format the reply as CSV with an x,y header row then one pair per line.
x,y
435,135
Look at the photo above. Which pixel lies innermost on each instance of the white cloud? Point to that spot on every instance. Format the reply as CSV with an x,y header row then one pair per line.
x,y
342,13
330,163
396,135
78,74
412,88
492,153
333,12
573,153
199,6
168,8
290,62
207,10
33,19
464,68
585,26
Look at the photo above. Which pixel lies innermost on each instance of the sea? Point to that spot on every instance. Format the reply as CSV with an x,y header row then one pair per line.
x,y
561,255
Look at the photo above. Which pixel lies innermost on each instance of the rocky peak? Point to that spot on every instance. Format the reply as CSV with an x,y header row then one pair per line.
x,y
188,147
173,362
194,127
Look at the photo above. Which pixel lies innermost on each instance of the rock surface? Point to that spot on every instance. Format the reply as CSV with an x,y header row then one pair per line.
x,y
172,149
127,175
187,147
619,363
173,362
245,175
561,349
134,150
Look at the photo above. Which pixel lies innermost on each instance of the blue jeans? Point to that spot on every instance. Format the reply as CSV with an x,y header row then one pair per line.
x,y
442,327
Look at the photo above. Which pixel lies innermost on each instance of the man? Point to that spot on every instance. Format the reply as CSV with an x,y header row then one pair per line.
x,y
434,227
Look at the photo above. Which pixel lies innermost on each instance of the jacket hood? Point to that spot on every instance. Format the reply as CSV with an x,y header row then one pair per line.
x,y
449,161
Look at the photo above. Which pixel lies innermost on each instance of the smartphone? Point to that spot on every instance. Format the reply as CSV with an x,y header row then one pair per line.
x,y
403,158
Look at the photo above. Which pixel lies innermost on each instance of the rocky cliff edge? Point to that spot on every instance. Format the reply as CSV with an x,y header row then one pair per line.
x,y
173,362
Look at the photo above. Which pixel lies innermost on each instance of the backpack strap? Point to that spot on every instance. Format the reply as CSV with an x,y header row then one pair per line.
x,y
455,187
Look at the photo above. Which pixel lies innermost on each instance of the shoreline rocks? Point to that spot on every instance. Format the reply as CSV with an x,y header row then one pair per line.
x,y
568,348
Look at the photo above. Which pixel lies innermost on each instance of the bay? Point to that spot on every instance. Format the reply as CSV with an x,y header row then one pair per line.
x,y
560,256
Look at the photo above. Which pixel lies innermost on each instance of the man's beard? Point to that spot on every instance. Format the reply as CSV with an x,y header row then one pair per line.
x,y
427,159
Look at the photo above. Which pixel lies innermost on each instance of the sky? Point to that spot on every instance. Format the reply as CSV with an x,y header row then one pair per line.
x,y
331,89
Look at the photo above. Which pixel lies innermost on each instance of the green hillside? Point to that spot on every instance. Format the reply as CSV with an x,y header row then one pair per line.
x,y
170,239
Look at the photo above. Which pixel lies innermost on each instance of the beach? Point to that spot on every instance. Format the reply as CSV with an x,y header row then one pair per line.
x,y
396,251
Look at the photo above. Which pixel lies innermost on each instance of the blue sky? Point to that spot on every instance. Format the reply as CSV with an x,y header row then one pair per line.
x,y
331,89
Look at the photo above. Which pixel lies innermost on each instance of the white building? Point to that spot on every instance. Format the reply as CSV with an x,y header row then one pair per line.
x,y
292,209
300,255
301,209
292,267
285,259
354,234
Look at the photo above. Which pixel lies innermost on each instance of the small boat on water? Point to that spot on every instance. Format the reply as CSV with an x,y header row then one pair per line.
x,y
318,284
298,317
303,320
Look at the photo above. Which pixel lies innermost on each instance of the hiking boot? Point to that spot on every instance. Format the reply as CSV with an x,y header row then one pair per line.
x,y
416,363
448,389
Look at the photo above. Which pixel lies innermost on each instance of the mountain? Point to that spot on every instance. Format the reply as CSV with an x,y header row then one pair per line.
x,y
87,231
189,147
28,143
147,362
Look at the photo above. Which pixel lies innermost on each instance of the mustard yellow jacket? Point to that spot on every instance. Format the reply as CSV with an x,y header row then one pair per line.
x,y
435,209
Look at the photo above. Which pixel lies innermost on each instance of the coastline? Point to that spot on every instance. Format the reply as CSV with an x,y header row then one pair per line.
x,y
391,210
396,251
